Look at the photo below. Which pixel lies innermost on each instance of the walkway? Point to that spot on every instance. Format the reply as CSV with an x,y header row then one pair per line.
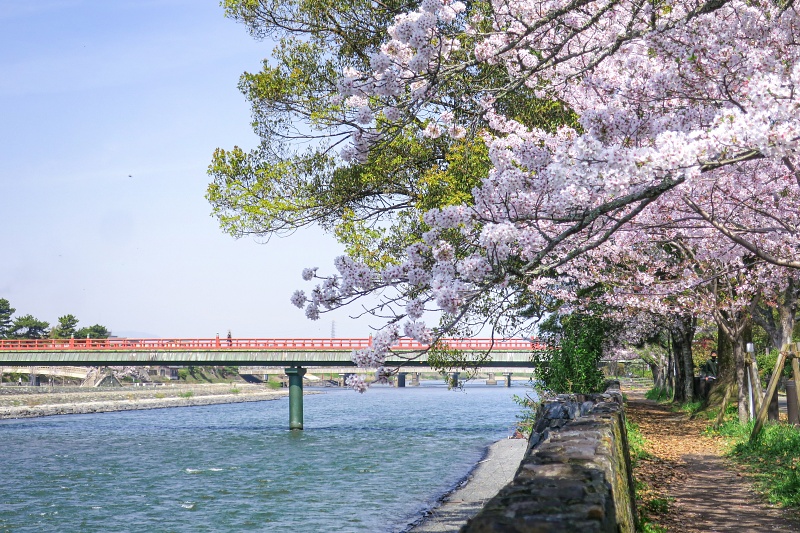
x,y
709,494
493,473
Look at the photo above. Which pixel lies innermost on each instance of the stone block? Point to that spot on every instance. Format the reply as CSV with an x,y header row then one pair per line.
x,y
575,476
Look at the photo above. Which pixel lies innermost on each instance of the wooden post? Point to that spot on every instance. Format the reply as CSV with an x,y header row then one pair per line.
x,y
758,397
796,373
725,398
751,400
771,388
759,388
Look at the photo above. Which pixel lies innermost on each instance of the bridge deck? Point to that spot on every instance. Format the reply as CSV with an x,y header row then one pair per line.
x,y
294,344
237,352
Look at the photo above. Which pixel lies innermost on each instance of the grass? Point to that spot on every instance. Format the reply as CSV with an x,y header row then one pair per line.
x,y
658,505
772,459
187,394
658,394
645,526
692,408
664,395
647,506
636,442
235,391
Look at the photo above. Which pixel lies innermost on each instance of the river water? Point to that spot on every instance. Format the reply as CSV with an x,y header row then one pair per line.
x,y
365,462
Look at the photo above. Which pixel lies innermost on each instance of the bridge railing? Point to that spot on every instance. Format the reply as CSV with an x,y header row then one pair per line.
x,y
288,344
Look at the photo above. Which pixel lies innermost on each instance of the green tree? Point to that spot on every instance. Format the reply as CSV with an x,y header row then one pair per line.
x,y
373,207
572,366
66,327
28,327
93,332
5,318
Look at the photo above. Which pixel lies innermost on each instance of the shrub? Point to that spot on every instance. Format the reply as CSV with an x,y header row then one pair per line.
x,y
574,365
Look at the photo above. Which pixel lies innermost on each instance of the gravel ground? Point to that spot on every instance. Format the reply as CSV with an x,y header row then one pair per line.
x,y
490,475
43,401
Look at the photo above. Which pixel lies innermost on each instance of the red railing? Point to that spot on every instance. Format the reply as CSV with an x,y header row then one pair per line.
x,y
119,344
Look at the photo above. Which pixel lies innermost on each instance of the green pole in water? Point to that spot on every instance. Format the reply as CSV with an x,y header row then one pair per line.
x,y
295,374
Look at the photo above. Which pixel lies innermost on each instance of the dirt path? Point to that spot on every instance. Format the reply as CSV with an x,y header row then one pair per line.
x,y
705,492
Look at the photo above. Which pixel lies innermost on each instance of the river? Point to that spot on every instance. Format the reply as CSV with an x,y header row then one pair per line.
x,y
369,462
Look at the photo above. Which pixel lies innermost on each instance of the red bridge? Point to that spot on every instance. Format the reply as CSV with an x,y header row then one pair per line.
x,y
264,352
296,344
292,353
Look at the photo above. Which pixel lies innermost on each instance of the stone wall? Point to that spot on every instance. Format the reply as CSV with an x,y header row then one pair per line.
x,y
576,474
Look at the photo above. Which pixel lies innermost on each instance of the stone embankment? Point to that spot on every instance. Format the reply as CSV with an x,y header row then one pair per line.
x,y
27,402
575,475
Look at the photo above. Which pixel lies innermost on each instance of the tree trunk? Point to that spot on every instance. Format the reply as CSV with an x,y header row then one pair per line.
x,y
725,356
679,389
659,374
682,334
727,366
671,371
734,331
779,321
688,364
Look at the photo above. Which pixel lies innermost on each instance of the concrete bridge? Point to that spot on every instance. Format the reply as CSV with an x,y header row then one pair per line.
x,y
490,375
294,355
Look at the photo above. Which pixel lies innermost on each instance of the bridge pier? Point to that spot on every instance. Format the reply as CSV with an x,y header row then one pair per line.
x,y
414,379
295,374
508,378
401,379
491,380
454,379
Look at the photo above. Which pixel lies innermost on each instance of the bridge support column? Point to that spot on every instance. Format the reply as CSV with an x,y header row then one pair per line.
x,y
295,374
454,379
491,380
508,378
414,379
401,379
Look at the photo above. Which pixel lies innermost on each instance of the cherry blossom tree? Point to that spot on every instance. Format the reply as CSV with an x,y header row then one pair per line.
x,y
688,118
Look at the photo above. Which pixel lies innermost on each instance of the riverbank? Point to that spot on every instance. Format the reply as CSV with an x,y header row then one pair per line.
x,y
492,473
45,401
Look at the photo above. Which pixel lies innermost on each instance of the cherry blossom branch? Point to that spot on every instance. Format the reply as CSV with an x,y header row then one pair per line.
x,y
752,247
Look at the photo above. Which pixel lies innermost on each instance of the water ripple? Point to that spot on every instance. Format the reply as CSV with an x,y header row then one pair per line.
x,y
368,462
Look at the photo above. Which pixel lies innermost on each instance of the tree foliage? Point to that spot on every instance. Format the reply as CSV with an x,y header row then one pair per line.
x,y
28,327
93,332
66,327
572,366
5,318
296,178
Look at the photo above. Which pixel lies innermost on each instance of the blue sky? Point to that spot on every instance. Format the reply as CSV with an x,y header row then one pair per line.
x,y
109,114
